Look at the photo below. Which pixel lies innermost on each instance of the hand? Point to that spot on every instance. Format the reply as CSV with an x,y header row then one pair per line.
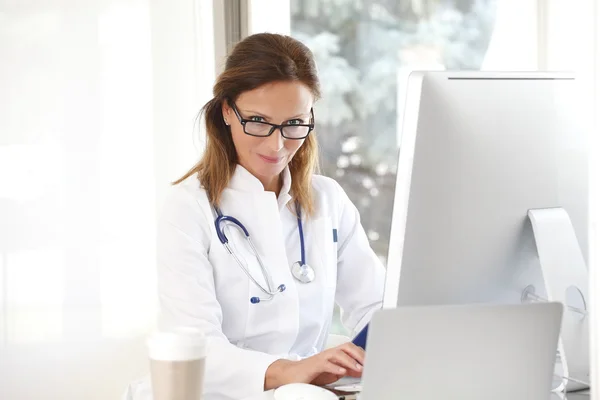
x,y
320,369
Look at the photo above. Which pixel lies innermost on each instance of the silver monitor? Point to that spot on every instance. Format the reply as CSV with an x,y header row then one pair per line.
x,y
479,152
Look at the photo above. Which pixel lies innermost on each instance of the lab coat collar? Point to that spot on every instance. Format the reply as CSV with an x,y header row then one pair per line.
x,y
243,180
284,194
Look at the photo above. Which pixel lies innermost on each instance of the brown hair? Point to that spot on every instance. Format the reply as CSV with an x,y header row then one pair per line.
x,y
255,61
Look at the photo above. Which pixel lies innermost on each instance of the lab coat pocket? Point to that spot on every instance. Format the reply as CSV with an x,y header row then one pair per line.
x,y
326,258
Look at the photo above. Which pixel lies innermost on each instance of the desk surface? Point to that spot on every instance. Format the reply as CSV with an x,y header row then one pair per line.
x,y
552,396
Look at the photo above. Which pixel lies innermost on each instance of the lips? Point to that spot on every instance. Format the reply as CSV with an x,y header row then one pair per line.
x,y
270,160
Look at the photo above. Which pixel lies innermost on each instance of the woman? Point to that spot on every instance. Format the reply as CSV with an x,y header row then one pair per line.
x,y
267,317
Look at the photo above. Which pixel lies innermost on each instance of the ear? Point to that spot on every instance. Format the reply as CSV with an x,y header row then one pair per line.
x,y
226,111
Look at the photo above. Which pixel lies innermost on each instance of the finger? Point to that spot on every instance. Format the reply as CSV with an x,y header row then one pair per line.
x,y
354,351
310,368
354,374
345,360
331,367
326,379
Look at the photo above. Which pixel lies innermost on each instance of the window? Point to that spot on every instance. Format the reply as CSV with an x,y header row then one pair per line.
x,y
364,52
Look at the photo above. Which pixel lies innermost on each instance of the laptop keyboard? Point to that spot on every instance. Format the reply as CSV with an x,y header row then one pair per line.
x,y
349,388
347,384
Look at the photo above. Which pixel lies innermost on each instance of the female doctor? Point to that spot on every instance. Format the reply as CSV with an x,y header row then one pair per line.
x,y
253,248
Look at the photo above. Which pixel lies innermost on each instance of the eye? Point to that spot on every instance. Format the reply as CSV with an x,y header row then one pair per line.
x,y
256,118
295,122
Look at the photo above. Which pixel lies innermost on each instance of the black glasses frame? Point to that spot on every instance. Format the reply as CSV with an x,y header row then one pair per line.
x,y
243,122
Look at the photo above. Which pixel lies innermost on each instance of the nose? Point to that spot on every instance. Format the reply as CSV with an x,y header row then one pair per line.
x,y
275,141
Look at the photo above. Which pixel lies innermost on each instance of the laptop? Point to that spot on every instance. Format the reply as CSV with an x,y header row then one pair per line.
x,y
466,352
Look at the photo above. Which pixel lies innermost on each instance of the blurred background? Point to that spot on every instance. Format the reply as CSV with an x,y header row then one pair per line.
x,y
98,105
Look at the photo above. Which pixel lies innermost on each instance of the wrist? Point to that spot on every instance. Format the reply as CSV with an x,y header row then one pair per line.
x,y
275,374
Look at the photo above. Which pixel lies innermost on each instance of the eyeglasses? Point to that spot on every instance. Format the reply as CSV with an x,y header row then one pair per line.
x,y
264,129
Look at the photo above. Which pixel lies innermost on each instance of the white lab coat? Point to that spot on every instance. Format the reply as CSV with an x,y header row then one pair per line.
x,y
201,285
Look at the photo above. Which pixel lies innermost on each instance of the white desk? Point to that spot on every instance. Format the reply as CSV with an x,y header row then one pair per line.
x,y
553,396
141,391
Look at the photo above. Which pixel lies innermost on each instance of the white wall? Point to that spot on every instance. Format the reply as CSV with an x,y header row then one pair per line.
x,y
595,212
268,16
97,108
183,64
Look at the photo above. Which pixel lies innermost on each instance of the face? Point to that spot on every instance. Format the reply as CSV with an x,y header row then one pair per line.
x,y
277,103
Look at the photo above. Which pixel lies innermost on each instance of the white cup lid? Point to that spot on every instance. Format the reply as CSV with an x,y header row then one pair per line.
x,y
177,344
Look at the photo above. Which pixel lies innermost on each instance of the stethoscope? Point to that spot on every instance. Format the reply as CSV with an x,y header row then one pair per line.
x,y
301,271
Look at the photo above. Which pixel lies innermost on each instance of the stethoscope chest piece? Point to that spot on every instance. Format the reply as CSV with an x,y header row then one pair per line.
x,y
303,272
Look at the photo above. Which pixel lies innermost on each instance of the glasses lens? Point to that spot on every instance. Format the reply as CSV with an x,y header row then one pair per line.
x,y
257,128
295,132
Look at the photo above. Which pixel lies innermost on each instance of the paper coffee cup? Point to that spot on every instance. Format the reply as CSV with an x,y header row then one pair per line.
x,y
177,362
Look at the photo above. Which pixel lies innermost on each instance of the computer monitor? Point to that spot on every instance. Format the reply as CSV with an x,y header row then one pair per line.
x,y
478,152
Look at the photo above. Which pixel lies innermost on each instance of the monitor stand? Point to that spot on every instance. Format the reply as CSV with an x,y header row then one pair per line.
x,y
565,278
